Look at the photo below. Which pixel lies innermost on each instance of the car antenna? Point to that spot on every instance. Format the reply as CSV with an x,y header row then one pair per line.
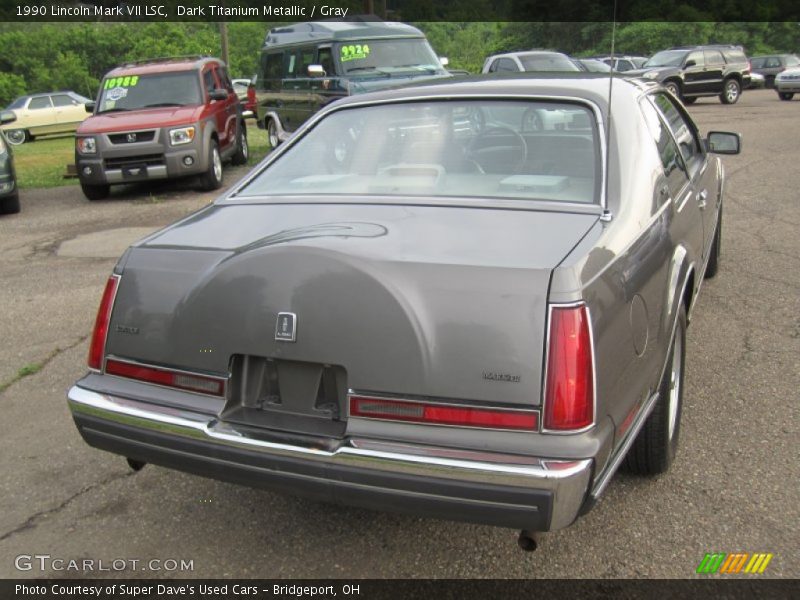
x,y
606,216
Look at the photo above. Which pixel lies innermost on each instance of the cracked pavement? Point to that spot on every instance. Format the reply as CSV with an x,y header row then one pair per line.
x,y
733,487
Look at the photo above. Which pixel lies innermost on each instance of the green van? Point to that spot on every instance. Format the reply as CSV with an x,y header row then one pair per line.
x,y
306,66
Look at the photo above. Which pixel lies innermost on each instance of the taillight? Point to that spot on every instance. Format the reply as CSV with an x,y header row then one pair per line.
x,y
251,97
569,386
100,333
177,379
442,414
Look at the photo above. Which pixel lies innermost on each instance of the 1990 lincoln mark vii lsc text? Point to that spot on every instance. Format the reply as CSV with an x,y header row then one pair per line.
x,y
466,300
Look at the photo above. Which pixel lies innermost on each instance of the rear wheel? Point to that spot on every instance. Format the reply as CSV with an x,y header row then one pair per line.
x,y
272,134
242,152
16,137
95,192
212,179
654,448
9,205
731,91
785,95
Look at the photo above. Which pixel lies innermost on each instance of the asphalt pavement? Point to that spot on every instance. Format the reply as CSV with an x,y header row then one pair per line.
x,y
733,488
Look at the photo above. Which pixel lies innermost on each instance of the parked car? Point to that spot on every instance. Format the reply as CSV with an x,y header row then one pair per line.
x,y
770,66
45,114
9,195
787,83
692,72
532,61
757,81
158,119
624,63
306,66
408,308
242,88
592,65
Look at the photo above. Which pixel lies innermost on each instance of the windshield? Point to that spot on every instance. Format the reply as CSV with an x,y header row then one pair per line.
x,y
144,91
387,57
547,62
18,103
667,58
455,148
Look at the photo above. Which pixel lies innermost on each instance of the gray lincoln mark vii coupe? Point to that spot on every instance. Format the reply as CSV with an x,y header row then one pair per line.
x,y
466,300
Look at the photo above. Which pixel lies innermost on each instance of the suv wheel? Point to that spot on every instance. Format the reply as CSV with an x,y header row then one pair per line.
x,y
272,134
212,179
242,152
785,95
16,137
673,88
95,192
730,92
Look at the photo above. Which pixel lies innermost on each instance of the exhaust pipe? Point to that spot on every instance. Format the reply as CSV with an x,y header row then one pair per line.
x,y
136,465
528,540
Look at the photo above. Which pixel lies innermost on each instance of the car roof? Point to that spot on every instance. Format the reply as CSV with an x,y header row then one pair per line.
x,y
592,87
322,31
163,65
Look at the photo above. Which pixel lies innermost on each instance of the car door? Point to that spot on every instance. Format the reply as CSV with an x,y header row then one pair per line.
x,y
229,108
714,70
694,73
39,117
296,87
700,200
69,112
327,88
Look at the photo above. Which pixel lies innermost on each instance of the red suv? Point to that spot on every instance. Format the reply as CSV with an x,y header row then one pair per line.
x,y
159,119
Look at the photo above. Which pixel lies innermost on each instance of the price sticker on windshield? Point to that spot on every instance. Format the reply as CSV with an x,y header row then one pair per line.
x,y
121,82
354,52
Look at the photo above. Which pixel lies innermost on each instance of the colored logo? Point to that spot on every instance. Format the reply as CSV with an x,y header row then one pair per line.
x,y
738,562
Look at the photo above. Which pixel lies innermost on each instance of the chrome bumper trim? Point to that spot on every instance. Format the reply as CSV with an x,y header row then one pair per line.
x,y
568,480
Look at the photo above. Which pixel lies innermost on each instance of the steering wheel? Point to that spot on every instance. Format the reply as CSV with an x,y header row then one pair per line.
x,y
498,149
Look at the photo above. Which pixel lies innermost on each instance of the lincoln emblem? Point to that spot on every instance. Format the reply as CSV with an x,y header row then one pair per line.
x,y
286,327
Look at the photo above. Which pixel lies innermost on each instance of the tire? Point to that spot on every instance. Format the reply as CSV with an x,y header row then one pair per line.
x,y
731,91
272,134
212,178
673,88
10,204
690,100
242,152
16,137
95,192
655,447
785,95
716,250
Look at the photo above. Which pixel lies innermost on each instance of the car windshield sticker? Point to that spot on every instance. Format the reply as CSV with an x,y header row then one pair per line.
x,y
121,82
354,52
118,93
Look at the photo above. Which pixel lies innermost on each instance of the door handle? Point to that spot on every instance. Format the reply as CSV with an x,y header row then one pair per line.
x,y
701,199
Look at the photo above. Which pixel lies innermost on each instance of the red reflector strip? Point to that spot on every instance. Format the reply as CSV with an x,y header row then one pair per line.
x,y
439,414
183,381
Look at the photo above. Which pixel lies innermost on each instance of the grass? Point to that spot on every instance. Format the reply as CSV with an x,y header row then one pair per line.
x,y
43,162
27,371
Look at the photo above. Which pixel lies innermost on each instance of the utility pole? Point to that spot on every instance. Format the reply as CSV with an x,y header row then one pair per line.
x,y
223,38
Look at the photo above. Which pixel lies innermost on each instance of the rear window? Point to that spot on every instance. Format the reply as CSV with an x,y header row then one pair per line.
x,y
547,62
465,149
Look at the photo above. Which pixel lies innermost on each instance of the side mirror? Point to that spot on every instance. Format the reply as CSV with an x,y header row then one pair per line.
x,y
690,63
7,116
444,60
218,94
316,71
724,142
89,106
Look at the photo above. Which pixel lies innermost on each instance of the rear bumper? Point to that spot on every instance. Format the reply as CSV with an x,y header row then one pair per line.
x,y
488,488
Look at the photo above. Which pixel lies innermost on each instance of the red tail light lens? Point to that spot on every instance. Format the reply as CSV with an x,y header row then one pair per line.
x,y
176,379
98,346
251,97
440,414
569,387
